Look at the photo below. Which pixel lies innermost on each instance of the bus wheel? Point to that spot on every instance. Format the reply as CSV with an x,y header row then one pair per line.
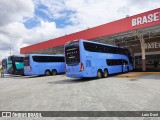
x,y
105,73
47,73
99,74
54,72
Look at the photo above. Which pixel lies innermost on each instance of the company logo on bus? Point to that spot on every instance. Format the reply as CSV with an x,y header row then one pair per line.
x,y
146,19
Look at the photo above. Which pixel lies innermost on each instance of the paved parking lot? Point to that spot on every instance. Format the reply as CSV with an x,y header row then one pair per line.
x,y
59,93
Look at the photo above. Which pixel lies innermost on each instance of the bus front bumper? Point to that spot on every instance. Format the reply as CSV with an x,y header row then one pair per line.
x,y
75,75
80,75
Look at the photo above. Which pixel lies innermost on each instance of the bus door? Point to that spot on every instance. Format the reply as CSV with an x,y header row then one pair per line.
x,y
124,66
27,67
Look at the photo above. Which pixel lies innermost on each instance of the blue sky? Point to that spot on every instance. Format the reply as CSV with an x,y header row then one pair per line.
x,y
24,23
42,13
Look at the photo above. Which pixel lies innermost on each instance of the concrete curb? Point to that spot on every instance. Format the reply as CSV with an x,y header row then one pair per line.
x,y
128,75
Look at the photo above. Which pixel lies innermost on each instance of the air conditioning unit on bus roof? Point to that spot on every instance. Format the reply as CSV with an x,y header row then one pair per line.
x,y
71,41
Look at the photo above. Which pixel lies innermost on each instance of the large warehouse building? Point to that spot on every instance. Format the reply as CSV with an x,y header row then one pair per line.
x,y
139,33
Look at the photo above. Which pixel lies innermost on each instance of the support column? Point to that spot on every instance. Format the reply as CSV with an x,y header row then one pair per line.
x,y
142,42
143,54
134,62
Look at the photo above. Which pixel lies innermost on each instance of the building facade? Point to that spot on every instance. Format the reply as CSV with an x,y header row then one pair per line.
x,y
139,33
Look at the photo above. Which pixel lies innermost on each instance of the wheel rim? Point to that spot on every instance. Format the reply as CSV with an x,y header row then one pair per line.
x,y
54,72
47,73
105,73
99,74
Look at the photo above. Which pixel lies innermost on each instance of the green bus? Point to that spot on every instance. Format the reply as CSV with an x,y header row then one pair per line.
x,y
15,65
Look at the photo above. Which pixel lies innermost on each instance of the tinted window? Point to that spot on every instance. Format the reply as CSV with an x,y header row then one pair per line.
x,y
18,59
113,62
72,54
48,58
125,62
93,47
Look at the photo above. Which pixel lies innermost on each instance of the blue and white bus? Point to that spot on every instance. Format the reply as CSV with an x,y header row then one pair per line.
x,y
43,64
91,59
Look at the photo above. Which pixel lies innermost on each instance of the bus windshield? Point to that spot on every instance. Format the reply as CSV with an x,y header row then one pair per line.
x,y
26,61
72,53
18,61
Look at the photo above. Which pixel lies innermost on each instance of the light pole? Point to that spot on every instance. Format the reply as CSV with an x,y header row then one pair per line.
x,y
10,50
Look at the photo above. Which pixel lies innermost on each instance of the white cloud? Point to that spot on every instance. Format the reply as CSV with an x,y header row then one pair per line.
x,y
55,8
89,13
12,14
46,30
81,13
15,10
17,36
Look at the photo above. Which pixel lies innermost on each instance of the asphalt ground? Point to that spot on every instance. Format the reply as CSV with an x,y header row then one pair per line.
x,y
59,93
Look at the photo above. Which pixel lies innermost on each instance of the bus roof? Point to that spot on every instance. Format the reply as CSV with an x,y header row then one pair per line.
x,y
16,56
46,54
97,43
4,59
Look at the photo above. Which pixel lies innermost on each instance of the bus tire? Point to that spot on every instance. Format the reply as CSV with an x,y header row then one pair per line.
x,y
105,73
54,72
99,74
47,72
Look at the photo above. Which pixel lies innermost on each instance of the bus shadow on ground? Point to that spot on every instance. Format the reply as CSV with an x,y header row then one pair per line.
x,y
80,80
11,76
27,77
73,81
133,79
